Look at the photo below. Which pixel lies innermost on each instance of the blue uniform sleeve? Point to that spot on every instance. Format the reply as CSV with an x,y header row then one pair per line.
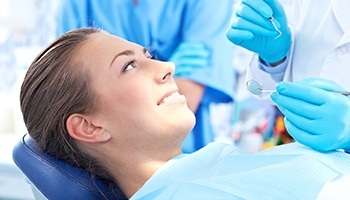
x,y
72,14
207,21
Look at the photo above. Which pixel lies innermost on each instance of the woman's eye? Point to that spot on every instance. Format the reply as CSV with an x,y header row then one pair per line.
x,y
130,65
154,57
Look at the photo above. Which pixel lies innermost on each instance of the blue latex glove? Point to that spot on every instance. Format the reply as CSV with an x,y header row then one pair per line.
x,y
188,57
314,116
252,29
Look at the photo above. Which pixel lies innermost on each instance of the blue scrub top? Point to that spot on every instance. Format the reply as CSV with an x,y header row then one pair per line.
x,y
160,25
221,171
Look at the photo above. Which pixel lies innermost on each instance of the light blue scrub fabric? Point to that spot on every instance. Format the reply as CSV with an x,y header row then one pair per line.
x,y
221,171
160,25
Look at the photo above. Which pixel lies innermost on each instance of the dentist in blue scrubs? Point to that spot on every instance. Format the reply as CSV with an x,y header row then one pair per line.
x,y
190,33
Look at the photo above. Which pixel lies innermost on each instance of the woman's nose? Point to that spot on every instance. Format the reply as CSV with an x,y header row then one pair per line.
x,y
167,71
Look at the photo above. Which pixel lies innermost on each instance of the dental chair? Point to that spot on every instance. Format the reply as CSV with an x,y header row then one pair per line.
x,y
52,178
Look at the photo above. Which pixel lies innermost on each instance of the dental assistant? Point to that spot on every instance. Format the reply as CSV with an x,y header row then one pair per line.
x,y
315,42
184,32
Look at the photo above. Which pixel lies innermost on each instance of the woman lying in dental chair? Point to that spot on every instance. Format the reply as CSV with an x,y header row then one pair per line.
x,y
105,105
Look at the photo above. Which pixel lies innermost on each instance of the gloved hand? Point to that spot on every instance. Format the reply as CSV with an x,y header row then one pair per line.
x,y
252,29
314,116
188,57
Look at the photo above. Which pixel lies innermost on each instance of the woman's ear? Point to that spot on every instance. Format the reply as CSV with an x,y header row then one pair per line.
x,y
81,128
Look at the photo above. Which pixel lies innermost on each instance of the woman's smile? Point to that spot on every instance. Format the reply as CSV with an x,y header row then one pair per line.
x,y
173,97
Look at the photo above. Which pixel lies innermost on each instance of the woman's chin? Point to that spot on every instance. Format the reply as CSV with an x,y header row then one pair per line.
x,y
188,122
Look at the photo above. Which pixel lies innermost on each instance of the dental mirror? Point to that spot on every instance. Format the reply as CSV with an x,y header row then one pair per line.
x,y
254,87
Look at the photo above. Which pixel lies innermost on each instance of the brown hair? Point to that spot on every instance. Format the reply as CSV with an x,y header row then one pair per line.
x,y
55,87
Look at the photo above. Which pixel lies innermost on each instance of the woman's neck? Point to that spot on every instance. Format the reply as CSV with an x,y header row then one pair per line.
x,y
132,169
133,177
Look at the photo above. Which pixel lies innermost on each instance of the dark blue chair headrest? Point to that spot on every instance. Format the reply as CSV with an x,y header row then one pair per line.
x,y
57,179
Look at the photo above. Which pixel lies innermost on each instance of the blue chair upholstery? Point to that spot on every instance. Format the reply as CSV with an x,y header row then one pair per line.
x,y
57,179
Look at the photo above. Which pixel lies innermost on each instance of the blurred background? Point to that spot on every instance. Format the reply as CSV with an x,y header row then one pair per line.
x,y
25,27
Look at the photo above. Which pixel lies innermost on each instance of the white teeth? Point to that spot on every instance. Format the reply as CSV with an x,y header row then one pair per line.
x,y
172,96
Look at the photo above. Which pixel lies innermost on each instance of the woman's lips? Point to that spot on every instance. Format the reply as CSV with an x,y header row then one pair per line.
x,y
174,97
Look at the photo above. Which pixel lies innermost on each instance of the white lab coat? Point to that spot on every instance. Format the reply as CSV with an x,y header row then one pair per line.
x,y
321,44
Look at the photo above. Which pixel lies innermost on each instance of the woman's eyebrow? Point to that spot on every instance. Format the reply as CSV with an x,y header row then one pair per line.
x,y
126,53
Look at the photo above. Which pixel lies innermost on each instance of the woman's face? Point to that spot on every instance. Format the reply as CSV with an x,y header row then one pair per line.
x,y
139,101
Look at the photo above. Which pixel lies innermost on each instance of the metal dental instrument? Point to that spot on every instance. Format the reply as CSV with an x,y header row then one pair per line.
x,y
272,20
254,87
